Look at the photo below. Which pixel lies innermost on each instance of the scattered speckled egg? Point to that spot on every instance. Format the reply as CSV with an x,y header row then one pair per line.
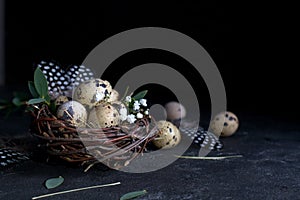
x,y
91,92
175,110
225,123
168,136
114,96
104,115
61,100
73,112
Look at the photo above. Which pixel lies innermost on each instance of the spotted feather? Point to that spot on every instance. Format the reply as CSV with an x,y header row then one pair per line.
x,y
203,138
10,157
62,82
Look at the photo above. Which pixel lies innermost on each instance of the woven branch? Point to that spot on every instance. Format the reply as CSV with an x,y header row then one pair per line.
x,y
115,146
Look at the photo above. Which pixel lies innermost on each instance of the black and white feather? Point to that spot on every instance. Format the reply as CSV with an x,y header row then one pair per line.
x,y
202,138
61,81
10,157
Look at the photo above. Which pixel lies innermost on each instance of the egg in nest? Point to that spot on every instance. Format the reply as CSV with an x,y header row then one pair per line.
x,y
91,92
73,112
104,115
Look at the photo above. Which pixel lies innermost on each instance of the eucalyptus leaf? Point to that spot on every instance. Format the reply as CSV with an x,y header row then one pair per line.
x,y
40,84
36,101
140,95
132,195
32,89
54,182
16,101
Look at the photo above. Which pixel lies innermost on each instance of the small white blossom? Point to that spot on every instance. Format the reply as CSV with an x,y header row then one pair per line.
x,y
99,96
139,115
136,105
123,114
128,99
143,102
131,118
146,112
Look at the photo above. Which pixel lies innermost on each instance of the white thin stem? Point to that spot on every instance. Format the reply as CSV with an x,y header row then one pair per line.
x,y
209,158
76,190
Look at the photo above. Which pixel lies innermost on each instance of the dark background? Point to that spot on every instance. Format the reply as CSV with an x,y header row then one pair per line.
x,y
250,43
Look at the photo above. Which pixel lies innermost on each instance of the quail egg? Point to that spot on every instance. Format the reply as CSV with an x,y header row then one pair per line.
x,y
104,115
114,96
61,100
168,136
73,112
121,108
91,92
175,111
225,123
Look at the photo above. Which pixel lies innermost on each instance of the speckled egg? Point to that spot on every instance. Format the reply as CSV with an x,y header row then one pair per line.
x,y
121,108
114,96
175,110
74,112
61,100
91,92
225,123
168,135
104,115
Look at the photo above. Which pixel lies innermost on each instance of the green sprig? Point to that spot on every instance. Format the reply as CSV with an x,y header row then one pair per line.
x,y
39,88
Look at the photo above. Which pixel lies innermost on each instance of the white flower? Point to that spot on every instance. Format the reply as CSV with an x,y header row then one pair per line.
x,y
123,114
128,99
131,118
99,96
146,112
143,102
136,105
139,115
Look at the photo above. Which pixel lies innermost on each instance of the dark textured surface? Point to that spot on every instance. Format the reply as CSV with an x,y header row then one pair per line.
x,y
269,169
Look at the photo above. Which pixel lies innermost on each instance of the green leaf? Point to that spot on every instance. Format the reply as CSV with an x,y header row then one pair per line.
x,y
36,101
40,84
16,101
54,182
140,95
132,195
32,89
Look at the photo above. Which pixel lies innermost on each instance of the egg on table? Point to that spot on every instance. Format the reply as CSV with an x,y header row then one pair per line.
x,y
175,111
91,92
225,123
104,115
73,112
168,136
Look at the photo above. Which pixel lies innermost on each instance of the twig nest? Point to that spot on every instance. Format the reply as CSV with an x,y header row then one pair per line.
x,y
175,110
114,96
225,123
61,100
91,92
73,112
104,115
168,135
